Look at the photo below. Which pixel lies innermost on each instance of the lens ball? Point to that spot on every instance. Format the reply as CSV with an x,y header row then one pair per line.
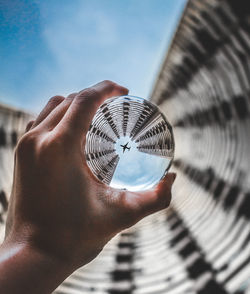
x,y
130,144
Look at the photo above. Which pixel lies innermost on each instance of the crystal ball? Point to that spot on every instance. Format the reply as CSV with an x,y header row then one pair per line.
x,y
130,144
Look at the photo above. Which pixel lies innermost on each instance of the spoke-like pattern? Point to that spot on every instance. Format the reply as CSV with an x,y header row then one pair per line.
x,y
201,244
131,117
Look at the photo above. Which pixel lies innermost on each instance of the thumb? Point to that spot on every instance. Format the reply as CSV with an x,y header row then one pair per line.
x,y
146,202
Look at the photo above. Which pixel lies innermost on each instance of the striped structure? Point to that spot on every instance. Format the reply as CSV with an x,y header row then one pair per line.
x,y
201,244
203,88
129,116
12,126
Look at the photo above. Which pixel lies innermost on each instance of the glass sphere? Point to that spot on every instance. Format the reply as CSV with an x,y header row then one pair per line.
x,y
130,144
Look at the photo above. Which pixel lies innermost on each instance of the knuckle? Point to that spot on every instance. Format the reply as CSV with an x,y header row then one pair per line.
x,y
43,147
89,92
110,84
51,145
54,146
87,95
56,100
71,96
26,144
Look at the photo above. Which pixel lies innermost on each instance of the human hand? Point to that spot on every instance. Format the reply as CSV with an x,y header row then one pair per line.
x,y
57,206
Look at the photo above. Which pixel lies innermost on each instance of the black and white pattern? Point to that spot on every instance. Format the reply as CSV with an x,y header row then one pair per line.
x,y
134,117
12,125
203,88
201,244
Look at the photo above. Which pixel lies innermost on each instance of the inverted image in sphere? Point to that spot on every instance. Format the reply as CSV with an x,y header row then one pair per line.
x,y
130,144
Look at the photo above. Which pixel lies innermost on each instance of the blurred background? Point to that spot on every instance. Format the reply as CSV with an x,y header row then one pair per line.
x,y
59,47
192,59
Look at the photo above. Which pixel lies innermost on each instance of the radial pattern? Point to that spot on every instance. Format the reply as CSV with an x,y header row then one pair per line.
x,y
127,137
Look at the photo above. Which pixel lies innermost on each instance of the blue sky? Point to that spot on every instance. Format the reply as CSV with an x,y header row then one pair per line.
x,y
61,46
136,170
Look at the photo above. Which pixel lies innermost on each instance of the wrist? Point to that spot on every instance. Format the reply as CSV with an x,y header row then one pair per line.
x,y
33,270
64,247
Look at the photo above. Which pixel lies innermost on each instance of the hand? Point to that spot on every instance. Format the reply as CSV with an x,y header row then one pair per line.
x,y
57,207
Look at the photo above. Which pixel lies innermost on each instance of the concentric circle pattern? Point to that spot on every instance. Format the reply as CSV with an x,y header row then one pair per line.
x,y
130,143
201,243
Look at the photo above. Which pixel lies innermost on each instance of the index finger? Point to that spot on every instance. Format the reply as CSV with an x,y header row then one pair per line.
x,y
85,104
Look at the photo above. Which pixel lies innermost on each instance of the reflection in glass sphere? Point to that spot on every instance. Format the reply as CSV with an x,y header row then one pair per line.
x,y
130,144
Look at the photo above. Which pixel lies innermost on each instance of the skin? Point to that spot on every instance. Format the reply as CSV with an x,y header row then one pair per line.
x,y
60,216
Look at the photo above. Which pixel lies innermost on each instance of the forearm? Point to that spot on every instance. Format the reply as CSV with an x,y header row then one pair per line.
x,y
24,269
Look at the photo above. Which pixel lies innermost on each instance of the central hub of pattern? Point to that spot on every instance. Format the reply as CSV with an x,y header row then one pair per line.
x,y
125,146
